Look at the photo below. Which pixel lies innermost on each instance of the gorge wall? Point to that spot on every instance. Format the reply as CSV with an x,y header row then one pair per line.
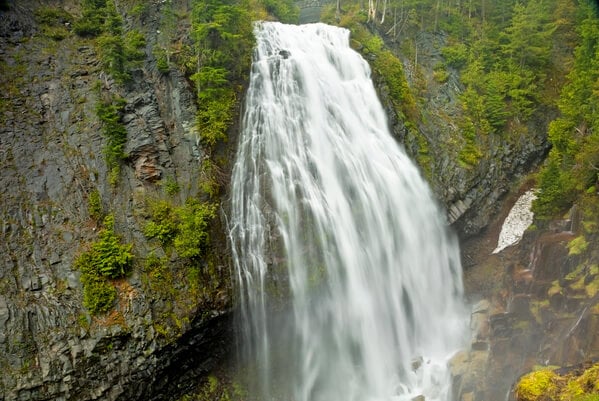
x,y
171,323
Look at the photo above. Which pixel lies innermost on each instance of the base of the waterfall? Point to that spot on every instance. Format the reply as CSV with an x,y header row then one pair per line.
x,y
429,381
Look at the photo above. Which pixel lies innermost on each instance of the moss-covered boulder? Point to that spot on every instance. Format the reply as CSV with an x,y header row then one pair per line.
x,y
580,383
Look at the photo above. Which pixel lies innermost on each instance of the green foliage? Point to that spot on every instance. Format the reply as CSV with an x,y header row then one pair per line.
x,y
98,294
162,62
106,259
94,205
119,52
555,190
573,163
586,397
440,73
171,186
215,389
223,41
109,257
163,224
577,246
184,227
545,384
135,43
456,55
53,22
285,11
193,228
470,152
109,112
113,56
208,178
91,23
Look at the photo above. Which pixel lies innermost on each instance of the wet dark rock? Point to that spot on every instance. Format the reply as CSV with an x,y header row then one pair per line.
x,y
51,158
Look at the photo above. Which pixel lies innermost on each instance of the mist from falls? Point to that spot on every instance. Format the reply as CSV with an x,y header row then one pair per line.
x,y
349,284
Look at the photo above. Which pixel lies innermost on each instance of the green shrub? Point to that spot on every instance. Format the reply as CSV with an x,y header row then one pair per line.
x,y
92,20
440,73
106,259
556,191
52,16
98,294
94,204
112,54
52,21
208,178
171,186
163,223
135,43
109,257
161,60
184,227
192,237
223,41
456,56
109,112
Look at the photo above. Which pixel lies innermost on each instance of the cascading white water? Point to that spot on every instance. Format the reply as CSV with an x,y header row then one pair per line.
x,y
346,272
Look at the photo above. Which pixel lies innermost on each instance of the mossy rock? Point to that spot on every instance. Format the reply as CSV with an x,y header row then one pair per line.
x,y
576,384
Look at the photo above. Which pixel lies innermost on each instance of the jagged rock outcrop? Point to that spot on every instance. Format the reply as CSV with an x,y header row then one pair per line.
x,y
51,160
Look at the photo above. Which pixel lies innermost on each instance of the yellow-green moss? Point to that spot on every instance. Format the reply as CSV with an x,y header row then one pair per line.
x,y
536,384
545,384
577,246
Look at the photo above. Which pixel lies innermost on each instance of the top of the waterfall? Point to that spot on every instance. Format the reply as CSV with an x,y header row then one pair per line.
x,y
282,36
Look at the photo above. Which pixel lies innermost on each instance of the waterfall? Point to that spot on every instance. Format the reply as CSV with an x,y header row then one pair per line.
x,y
349,284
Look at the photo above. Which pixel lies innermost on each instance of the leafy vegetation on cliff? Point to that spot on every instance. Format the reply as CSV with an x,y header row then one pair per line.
x,y
106,259
109,112
184,227
119,52
572,169
509,57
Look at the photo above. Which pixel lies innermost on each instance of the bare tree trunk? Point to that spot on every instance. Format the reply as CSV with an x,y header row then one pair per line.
x,y
436,15
395,23
483,10
338,11
371,10
415,55
384,11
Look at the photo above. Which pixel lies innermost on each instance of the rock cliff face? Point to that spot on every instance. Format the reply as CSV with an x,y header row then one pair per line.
x,y
172,326
51,160
535,304
470,193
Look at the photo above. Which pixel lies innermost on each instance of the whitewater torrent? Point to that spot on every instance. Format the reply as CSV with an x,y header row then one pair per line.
x,y
349,284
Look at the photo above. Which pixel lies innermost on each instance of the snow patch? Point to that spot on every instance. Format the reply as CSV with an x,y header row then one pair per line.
x,y
517,221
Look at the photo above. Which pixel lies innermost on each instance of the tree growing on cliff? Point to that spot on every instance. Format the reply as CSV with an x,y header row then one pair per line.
x,y
107,258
